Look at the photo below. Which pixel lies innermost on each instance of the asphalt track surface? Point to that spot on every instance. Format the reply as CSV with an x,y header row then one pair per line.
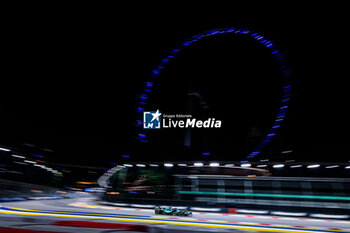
x,y
86,209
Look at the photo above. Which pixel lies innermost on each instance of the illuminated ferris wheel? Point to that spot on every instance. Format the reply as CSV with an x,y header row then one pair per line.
x,y
245,34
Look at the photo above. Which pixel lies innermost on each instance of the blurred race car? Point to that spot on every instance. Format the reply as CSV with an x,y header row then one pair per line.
x,y
172,211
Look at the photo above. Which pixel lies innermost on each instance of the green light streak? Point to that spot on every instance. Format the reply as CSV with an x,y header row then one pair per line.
x,y
267,195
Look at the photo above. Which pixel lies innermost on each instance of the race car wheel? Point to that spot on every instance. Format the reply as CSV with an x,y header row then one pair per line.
x,y
157,211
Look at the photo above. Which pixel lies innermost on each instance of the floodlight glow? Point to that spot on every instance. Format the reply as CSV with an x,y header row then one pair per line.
x,y
296,166
154,165
278,166
29,161
198,164
347,167
246,165
21,163
229,165
313,166
168,165
140,165
128,165
4,149
18,156
214,164
333,166
261,165
182,165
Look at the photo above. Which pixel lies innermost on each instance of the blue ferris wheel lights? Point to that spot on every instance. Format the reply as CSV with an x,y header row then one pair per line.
x,y
286,95
279,57
283,67
164,61
212,32
259,38
230,30
149,84
144,96
265,142
156,72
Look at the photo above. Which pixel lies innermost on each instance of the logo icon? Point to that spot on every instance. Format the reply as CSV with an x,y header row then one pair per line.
x,y
151,120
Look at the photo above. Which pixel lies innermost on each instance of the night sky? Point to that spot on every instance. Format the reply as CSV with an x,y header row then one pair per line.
x,y
70,84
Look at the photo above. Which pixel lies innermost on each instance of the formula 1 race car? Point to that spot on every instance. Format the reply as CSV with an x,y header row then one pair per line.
x,y
172,211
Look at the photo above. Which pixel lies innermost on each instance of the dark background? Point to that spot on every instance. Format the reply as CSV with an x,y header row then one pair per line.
x,y
70,82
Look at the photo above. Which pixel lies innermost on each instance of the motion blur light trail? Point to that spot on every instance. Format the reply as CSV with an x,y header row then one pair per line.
x,y
183,222
267,195
62,210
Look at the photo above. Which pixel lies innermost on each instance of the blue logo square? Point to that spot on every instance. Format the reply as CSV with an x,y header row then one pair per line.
x,y
152,120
